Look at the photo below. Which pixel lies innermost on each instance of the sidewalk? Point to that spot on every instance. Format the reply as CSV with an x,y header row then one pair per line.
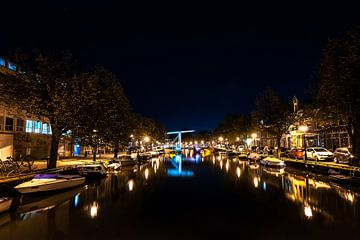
x,y
41,165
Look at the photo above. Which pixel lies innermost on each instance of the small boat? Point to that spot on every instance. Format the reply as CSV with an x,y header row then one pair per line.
x,y
232,154
50,182
272,162
345,180
113,164
5,203
92,171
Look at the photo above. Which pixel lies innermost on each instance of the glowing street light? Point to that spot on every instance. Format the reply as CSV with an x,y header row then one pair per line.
x,y
304,129
221,139
237,139
146,139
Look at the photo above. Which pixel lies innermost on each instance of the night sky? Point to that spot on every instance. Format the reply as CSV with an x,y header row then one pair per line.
x,y
186,65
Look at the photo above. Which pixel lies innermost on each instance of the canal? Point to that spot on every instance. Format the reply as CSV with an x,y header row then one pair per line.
x,y
190,197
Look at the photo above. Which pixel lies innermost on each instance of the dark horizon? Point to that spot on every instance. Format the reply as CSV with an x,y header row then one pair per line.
x,y
186,67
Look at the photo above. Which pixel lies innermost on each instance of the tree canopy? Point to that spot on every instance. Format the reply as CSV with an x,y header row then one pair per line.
x,y
338,92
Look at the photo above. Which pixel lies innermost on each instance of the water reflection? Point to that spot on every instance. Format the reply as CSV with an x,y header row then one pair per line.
x,y
142,197
131,185
315,195
94,209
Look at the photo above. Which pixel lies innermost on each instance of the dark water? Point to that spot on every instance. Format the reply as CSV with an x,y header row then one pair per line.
x,y
192,199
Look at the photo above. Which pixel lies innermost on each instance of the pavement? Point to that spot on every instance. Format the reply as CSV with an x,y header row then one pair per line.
x,y
41,165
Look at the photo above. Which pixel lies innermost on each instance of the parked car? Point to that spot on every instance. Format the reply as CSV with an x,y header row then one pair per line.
x,y
343,155
297,153
319,154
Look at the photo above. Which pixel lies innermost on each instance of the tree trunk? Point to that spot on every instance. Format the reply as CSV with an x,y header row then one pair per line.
x,y
94,153
116,150
54,149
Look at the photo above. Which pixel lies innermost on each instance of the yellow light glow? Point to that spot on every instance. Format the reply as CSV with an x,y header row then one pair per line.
x,y
146,173
304,128
221,139
221,164
131,185
94,209
308,211
237,139
256,182
254,135
227,166
238,172
146,139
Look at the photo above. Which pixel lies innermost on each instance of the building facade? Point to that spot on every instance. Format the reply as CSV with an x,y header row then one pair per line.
x,y
21,133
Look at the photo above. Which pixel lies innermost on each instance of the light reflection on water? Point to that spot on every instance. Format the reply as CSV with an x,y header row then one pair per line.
x,y
311,195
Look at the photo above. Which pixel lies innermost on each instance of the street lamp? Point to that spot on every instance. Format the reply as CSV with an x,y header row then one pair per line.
x,y
304,129
96,144
147,139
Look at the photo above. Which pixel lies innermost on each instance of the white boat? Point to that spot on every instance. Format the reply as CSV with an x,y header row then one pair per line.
x,y
50,182
272,162
92,171
5,203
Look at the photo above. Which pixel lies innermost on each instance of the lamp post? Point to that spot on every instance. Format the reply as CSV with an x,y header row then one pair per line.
x,y
304,129
96,144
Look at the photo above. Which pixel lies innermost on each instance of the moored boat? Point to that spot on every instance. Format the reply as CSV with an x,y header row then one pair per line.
x,y
272,162
50,182
92,171
345,180
5,203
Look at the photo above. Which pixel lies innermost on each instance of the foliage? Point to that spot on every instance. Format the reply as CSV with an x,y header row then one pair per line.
x,y
105,115
45,88
273,113
234,126
338,93
145,126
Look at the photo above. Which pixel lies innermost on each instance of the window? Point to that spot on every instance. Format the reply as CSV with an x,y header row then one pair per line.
x,y
9,124
45,128
29,126
37,127
2,62
19,124
11,66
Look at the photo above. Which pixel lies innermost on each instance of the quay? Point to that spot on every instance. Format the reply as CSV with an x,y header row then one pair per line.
x,y
322,167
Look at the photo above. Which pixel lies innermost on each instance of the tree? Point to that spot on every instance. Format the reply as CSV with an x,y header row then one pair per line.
x,y
149,127
45,88
274,113
234,126
105,115
338,92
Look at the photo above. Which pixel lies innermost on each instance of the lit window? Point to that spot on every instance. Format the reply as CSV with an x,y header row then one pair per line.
x,y
46,129
2,62
9,124
19,124
11,66
37,128
29,126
